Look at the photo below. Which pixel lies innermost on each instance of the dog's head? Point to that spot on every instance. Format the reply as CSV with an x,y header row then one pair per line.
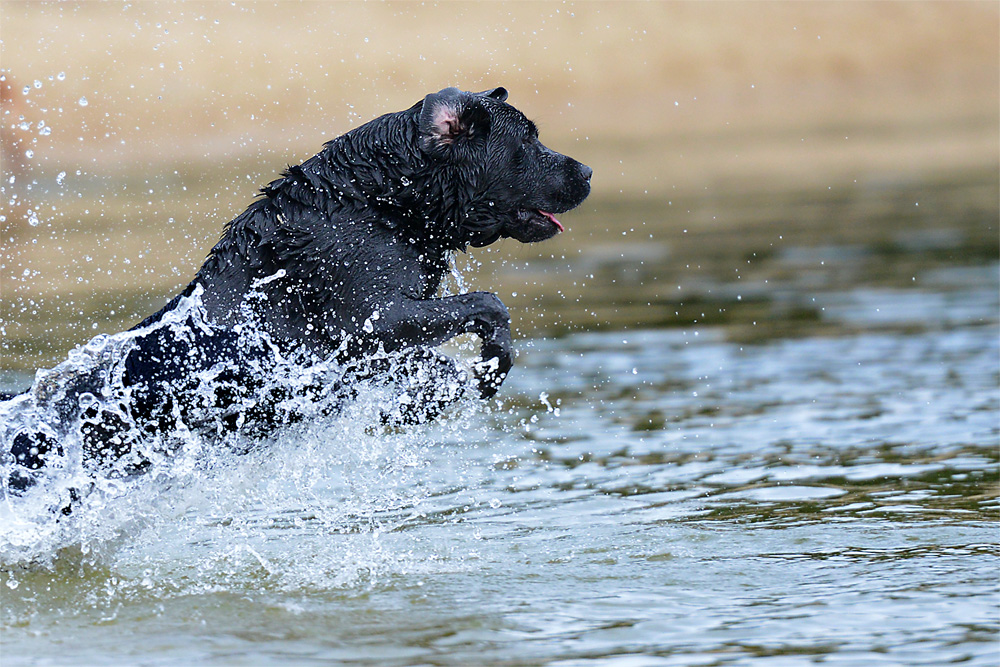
x,y
515,185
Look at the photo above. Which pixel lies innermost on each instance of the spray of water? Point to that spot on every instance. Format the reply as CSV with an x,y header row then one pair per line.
x,y
342,454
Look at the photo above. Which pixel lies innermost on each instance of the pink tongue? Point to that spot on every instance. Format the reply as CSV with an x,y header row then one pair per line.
x,y
552,218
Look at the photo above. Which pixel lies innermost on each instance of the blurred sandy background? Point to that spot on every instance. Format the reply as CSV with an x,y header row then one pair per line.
x,y
133,132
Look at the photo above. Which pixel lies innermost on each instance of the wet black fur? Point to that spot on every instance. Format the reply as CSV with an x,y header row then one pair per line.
x,y
366,227
349,249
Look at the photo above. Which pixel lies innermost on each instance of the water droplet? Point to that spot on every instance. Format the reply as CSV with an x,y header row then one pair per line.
x,y
83,102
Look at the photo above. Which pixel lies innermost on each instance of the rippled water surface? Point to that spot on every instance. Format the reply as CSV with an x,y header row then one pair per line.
x,y
650,497
800,468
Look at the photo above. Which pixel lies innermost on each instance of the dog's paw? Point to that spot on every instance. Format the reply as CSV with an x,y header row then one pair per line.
x,y
491,372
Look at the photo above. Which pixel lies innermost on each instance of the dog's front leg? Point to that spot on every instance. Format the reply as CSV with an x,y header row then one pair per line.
x,y
433,321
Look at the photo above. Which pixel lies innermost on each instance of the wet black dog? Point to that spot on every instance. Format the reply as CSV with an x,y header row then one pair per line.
x,y
342,257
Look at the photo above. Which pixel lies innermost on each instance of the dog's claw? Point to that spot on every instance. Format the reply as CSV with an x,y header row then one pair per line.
x,y
490,384
490,374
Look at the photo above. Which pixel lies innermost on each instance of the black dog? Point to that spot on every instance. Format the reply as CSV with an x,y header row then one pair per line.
x,y
340,258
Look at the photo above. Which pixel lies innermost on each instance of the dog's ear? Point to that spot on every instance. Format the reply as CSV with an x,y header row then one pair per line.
x,y
499,94
451,116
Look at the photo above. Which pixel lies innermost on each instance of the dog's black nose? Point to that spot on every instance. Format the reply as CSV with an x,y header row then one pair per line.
x,y
586,171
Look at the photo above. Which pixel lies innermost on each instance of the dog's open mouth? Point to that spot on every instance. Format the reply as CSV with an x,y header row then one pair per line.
x,y
542,220
551,218
529,225
533,225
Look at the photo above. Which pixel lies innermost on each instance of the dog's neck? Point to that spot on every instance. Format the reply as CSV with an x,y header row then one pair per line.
x,y
378,173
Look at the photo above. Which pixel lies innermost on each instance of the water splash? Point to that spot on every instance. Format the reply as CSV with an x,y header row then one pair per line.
x,y
343,453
